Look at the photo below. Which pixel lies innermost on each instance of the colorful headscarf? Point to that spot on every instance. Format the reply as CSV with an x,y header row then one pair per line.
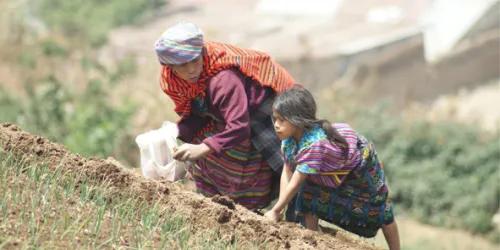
x,y
217,57
179,44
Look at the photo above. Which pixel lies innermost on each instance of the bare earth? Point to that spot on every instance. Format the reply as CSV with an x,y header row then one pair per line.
x,y
219,213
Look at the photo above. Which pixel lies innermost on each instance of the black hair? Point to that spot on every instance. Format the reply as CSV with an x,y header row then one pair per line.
x,y
297,106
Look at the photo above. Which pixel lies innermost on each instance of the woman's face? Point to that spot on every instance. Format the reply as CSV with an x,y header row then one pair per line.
x,y
284,129
189,71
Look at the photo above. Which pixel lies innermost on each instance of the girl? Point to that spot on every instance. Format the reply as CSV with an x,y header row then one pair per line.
x,y
224,96
334,171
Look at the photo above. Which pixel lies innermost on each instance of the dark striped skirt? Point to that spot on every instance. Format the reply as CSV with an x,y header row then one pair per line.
x,y
239,173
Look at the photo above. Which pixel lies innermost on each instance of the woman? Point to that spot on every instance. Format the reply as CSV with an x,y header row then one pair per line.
x,y
224,95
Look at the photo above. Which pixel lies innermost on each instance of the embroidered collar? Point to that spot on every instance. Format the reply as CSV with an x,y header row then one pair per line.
x,y
291,148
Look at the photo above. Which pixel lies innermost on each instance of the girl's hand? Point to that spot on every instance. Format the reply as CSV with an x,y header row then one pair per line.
x,y
191,152
272,215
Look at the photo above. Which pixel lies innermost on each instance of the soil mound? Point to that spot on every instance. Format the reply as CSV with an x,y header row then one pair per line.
x,y
217,213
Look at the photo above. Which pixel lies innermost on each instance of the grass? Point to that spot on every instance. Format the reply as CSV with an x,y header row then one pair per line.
x,y
45,209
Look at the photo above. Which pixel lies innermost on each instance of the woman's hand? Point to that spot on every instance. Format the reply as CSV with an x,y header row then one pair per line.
x,y
191,152
272,215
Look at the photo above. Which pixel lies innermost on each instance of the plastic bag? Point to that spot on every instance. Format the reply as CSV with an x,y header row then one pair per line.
x,y
156,150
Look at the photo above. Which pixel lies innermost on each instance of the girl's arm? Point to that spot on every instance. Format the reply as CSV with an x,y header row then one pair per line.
x,y
285,197
286,175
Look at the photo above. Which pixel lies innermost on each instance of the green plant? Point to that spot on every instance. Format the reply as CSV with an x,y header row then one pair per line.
x,y
90,21
9,108
86,123
36,212
446,174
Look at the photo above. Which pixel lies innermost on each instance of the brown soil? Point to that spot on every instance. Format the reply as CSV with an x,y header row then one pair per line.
x,y
216,213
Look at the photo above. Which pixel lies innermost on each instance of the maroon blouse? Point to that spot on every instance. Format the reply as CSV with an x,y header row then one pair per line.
x,y
231,97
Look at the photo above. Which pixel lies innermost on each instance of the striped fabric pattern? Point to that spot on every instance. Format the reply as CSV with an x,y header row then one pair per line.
x,y
264,138
179,44
170,52
217,57
239,173
322,160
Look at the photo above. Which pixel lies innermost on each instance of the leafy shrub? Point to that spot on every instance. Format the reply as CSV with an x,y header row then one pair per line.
x,y
446,174
91,20
9,108
86,123
89,122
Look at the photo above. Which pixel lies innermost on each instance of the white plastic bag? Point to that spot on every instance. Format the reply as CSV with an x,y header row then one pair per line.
x,y
156,149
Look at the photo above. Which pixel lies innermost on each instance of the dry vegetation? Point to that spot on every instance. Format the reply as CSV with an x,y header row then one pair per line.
x,y
52,198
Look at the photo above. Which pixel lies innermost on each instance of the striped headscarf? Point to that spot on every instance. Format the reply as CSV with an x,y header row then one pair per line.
x,y
179,44
217,57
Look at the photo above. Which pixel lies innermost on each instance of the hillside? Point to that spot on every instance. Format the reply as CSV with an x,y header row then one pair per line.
x,y
218,214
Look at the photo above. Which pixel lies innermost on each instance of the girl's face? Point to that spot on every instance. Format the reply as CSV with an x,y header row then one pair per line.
x,y
189,71
284,129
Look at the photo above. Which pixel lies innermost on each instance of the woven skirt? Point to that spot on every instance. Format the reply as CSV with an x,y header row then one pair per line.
x,y
359,205
239,173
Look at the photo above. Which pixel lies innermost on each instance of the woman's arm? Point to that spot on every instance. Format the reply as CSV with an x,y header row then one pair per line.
x,y
228,96
191,152
189,126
